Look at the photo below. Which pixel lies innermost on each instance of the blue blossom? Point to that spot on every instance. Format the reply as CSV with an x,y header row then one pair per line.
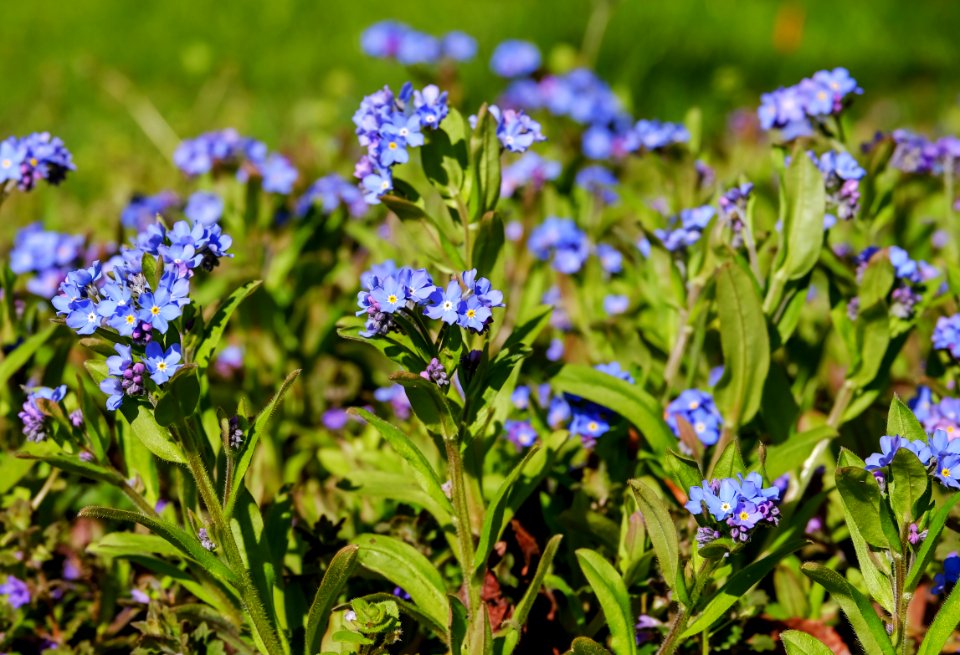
x,y
790,109
142,210
733,205
889,445
158,309
35,425
520,433
614,304
610,258
162,365
739,504
589,425
515,130
946,334
685,229
473,314
278,174
45,157
49,255
458,46
16,592
697,409
948,471
390,295
11,157
614,369
445,305
950,575
655,135
562,241
558,411
555,350
600,182
393,40
204,208
83,317
332,191
515,58
521,397
418,285
431,105
529,170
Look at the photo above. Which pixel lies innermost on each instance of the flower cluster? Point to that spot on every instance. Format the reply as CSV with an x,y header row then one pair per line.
x,y
946,335
15,591
738,505
467,300
841,176
393,40
386,125
128,371
515,130
917,154
791,109
698,410
588,420
49,255
520,433
560,241
943,415
588,100
330,192
529,170
950,575
911,279
228,151
39,156
686,228
35,422
941,456
515,59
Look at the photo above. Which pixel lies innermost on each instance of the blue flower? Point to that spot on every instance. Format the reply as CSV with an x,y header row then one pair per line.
x,y
950,575
948,471
204,208
555,350
614,304
515,58
390,295
531,169
600,182
521,397
11,156
142,210
377,184
418,284
458,46
16,592
610,258
561,240
83,317
692,223
520,433
558,411
590,425
697,408
725,501
946,334
278,174
516,130
889,445
331,191
162,365
158,309
614,369
445,305
45,158
431,106
473,314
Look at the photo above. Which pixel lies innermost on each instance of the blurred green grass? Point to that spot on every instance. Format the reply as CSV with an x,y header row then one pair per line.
x,y
122,82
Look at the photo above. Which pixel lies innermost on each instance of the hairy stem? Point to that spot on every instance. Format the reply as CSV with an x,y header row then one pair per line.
x,y
680,346
462,517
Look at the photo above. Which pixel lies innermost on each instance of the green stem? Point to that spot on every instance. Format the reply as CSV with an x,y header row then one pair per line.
x,y
252,602
777,284
679,623
840,403
948,190
680,346
900,598
593,36
458,492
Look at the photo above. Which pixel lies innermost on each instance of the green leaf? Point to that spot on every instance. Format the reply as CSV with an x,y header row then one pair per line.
x,y
903,422
717,548
213,331
181,397
334,580
151,434
495,517
683,470
730,462
745,344
485,159
908,483
458,625
943,626
406,567
805,196
73,464
395,486
860,494
929,546
133,544
791,455
800,643
187,544
488,244
630,401
19,356
444,155
857,607
587,646
607,584
512,630
873,337
152,267
422,471
735,588
257,428
662,531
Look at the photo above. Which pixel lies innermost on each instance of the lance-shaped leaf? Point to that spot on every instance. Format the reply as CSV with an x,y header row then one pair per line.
x,y
19,356
185,542
334,580
587,646
683,470
730,462
485,160
151,434
943,626
488,244
908,484
430,406
607,584
929,545
745,344
662,531
213,330
800,643
805,196
857,607
860,494
512,627
902,421
406,567
180,398
444,156
73,464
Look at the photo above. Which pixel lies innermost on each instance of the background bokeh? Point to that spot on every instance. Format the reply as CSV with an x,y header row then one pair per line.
x,y
123,82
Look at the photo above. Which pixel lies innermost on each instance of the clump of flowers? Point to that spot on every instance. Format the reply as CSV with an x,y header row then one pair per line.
x,y
38,156
950,575
15,591
793,110
142,210
841,176
943,415
387,126
128,371
515,130
918,155
600,183
520,433
697,409
940,455
226,151
394,40
733,507
946,335
560,241
911,280
686,228
49,255
36,423
466,301
330,192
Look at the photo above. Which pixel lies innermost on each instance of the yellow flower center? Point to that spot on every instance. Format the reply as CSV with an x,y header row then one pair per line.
x,y
592,426
6,163
725,507
471,313
154,310
694,404
744,516
945,472
392,145
699,427
392,299
131,319
822,95
33,161
162,366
